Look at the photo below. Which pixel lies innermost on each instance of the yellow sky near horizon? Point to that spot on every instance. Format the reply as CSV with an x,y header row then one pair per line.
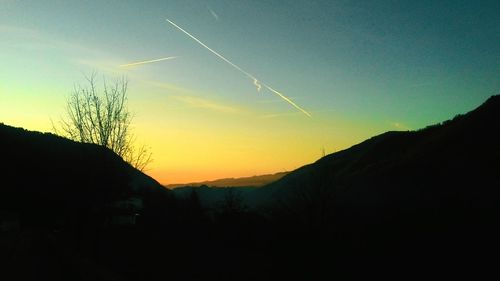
x,y
201,112
196,138
200,139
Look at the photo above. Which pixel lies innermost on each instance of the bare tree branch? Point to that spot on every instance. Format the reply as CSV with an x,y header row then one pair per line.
x,y
102,117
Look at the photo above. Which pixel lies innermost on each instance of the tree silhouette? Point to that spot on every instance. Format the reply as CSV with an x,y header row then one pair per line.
x,y
102,117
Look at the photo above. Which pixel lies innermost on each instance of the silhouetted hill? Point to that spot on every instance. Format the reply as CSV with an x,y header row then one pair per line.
x,y
457,158
42,174
70,210
254,181
428,195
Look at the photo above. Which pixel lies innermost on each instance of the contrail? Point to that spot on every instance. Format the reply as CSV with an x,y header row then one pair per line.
x,y
213,14
255,80
257,84
217,54
214,52
288,100
146,61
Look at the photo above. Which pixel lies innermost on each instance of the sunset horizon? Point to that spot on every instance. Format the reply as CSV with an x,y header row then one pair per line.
x,y
243,89
249,140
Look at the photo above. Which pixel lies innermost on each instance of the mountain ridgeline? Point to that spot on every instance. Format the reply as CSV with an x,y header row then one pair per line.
x,y
254,181
41,172
449,165
414,203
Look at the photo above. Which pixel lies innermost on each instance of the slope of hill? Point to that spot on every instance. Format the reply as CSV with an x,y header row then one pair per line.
x,y
70,210
254,181
425,190
43,174
422,201
458,158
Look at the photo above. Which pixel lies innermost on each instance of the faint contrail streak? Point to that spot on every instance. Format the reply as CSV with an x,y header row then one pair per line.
x,y
213,14
255,80
146,61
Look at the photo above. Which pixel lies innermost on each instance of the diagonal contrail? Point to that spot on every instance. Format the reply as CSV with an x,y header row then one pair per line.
x,y
146,61
287,99
214,52
255,80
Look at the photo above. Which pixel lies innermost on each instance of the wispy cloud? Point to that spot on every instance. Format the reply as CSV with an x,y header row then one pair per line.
x,y
172,88
36,39
103,64
190,98
19,30
196,102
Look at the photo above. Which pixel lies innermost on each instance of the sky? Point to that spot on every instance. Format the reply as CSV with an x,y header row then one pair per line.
x,y
359,68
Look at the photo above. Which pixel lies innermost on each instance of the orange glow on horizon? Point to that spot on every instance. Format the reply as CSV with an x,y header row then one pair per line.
x,y
193,176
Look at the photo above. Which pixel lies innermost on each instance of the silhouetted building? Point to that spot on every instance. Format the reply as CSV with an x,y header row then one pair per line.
x,y
125,212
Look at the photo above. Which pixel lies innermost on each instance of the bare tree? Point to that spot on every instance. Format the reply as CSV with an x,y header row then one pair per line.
x,y
102,117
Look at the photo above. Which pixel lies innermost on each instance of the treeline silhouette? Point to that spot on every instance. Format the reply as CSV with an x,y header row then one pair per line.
x,y
401,205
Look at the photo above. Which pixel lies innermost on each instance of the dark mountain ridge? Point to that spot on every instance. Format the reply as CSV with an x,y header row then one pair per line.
x,y
449,157
72,210
42,172
440,182
421,201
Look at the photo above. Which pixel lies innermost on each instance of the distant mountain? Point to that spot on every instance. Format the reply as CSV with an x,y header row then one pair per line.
x,y
254,181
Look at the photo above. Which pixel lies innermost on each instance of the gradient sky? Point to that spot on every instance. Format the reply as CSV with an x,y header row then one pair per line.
x,y
359,67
